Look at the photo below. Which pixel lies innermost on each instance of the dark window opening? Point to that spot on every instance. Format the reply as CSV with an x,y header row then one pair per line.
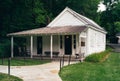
x,y
74,41
82,43
61,41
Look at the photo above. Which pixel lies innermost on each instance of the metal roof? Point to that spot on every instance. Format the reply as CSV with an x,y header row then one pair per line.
x,y
50,30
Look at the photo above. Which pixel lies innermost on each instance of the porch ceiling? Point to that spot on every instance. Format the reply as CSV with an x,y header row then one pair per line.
x,y
50,30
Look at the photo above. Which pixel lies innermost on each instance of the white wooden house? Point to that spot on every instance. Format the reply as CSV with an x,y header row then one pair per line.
x,y
69,33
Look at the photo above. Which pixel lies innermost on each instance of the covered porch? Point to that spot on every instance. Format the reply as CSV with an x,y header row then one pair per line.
x,y
56,41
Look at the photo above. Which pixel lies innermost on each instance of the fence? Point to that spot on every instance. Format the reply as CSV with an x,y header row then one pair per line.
x,y
21,61
62,60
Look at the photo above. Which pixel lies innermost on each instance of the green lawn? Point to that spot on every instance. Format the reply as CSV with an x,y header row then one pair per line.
x,y
22,62
106,71
5,77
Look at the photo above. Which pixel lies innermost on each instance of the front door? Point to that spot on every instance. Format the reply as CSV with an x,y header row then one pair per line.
x,y
39,45
68,44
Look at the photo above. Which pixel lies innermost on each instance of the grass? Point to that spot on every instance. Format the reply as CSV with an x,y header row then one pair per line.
x,y
108,70
6,77
98,57
22,62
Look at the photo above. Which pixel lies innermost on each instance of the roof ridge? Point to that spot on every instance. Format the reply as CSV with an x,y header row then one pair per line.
x,y
88,20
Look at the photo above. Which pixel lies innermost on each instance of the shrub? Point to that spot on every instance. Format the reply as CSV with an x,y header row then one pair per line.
x,y
109,48
97,57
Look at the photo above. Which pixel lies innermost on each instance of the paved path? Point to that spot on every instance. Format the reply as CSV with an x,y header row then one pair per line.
x,y
116,47
45,72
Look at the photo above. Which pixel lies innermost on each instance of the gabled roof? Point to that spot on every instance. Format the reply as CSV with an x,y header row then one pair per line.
x,y
81,18
51,30
63,29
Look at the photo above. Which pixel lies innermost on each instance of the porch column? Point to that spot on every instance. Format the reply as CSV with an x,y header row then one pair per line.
x,y
12,47
77,43
51,46
118,40
31,46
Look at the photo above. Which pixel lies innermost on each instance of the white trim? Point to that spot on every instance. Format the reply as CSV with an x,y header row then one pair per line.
x,y
85,47
31,46
87,43
81,18
59,43
62,13
12,47
51,23
99,30
51,46
77,43
63,46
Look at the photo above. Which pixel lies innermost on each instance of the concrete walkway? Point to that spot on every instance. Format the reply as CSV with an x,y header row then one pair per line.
x,y
116,47
45,72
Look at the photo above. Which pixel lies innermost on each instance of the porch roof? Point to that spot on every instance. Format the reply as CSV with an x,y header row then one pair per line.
x,y
50,30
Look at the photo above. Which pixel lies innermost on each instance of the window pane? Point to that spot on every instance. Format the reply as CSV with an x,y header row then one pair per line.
x,y
61,41
74,41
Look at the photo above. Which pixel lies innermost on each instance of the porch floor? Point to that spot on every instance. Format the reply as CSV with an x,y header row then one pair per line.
x,y
55,58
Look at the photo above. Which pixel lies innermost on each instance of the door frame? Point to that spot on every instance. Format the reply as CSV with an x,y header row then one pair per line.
x,y
67,44
39,42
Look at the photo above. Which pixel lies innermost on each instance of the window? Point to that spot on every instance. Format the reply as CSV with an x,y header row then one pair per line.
x,y
82,43
61,42
74,41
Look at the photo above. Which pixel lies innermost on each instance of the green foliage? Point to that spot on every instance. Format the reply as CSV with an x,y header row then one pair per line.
x,y
109,48
97,57
38,12
21,15
5,48
117,26
6,77
110,17
86,71
18,15
85,7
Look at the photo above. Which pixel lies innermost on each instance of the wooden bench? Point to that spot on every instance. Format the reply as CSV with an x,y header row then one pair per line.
x,y
55,53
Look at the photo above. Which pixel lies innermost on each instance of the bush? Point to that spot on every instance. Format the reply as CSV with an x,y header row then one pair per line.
x,y
97,57
109,48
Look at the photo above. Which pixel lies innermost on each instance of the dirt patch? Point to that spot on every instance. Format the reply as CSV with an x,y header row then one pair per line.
x,y
105,58
54,71
18,67
39,78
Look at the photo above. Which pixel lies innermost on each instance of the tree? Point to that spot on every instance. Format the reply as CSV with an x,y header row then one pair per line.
x,y
110,17
18,15
117,26
85,7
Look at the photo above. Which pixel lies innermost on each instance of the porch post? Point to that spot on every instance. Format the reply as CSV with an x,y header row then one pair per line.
x,y
79,44
31,46
12,47
51,46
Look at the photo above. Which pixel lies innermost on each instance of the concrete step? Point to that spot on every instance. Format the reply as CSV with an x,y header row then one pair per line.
x,y
117,50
